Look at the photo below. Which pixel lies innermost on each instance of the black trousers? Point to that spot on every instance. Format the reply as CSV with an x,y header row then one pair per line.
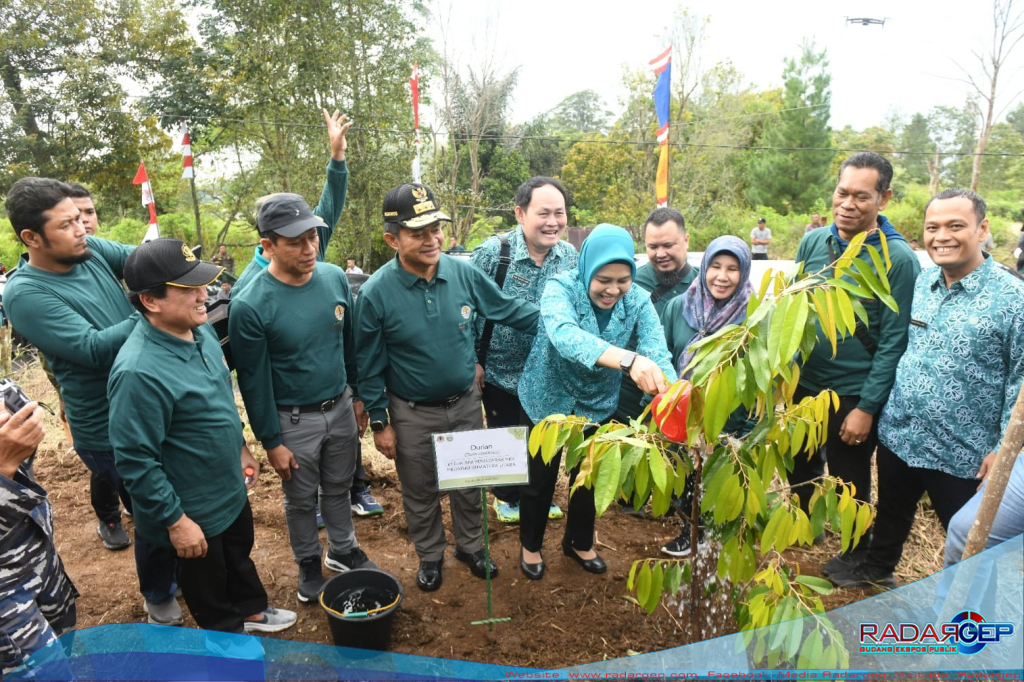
x,y
223,587
535,499
852,463
759,256
104,498
900,487
502,409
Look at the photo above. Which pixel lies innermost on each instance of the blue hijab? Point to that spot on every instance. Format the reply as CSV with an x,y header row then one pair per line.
x,y
606,244
701,310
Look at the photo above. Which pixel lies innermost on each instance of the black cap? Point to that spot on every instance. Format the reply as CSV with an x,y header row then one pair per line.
x,y
286,214
167,261
760,220
412,205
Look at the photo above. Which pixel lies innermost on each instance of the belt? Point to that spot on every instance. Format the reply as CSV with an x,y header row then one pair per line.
x,y
443,402
324,406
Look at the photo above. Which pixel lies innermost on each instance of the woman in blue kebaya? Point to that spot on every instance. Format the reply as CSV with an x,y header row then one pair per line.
x,y
588,316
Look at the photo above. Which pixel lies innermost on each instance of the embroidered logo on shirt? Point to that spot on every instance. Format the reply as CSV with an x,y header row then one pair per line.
x,y
339,312
466,310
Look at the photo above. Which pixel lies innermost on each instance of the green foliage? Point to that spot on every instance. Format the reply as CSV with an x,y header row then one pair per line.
x,y
791,180
753,367
64,111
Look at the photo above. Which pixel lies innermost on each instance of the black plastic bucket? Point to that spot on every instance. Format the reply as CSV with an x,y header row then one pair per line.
x,y
361,605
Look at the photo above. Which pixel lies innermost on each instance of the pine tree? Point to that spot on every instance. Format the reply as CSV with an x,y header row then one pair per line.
x,y
787,177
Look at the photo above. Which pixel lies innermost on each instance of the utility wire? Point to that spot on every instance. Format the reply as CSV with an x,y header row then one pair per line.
x,y
543,138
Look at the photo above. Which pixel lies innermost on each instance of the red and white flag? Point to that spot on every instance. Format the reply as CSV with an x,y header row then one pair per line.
x,y
186,154
142,178
414,85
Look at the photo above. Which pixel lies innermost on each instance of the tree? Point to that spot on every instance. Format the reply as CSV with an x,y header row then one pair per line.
x,y
952,130
64,111
751,367
581,112
507,169
787,177
265,70
1016,118
1003,172
915,138
1007,32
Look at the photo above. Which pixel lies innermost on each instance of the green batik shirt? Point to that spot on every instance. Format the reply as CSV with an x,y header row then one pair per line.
x,y
524,280
958,380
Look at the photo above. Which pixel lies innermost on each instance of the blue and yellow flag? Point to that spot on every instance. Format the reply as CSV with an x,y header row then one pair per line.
x,y
662,65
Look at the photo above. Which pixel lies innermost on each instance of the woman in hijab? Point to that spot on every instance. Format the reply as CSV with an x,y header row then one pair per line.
x,y
588,316
717,299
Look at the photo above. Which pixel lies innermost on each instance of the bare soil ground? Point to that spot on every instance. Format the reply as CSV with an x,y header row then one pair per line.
x,y
570,617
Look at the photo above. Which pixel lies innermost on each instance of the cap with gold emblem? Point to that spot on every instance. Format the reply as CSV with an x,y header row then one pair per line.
x,y
412,205
167,261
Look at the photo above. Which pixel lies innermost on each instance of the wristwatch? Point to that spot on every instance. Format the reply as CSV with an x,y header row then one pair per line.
x,y
627,361
378,426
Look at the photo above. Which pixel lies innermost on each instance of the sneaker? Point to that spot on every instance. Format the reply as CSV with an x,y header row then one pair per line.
x,y
555,512
311,579
346,562
113,535
507,512
168,613
270,620
363,503
864,575
680,546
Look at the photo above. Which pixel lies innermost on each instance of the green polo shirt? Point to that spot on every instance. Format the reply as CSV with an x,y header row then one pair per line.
x,y
78,319
292,345
416,337
176,433
631,398
854,371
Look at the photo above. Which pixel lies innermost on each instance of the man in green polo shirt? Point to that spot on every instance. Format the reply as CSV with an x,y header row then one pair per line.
x,y
332,202
417,369
291,335
862,371
178,441
66,299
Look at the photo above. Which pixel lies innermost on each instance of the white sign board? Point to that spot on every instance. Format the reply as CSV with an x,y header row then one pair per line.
x,y
488,457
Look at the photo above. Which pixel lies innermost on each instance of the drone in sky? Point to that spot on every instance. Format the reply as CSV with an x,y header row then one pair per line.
x,y
866,21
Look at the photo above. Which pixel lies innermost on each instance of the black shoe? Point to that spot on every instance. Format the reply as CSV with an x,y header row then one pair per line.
x,y
345,562
864,575
311,579
843,563
679,547
428,578
531,571
627,508
113,535
595,565
478,562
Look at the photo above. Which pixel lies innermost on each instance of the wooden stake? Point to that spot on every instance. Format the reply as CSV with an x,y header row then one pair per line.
x,y
997,479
